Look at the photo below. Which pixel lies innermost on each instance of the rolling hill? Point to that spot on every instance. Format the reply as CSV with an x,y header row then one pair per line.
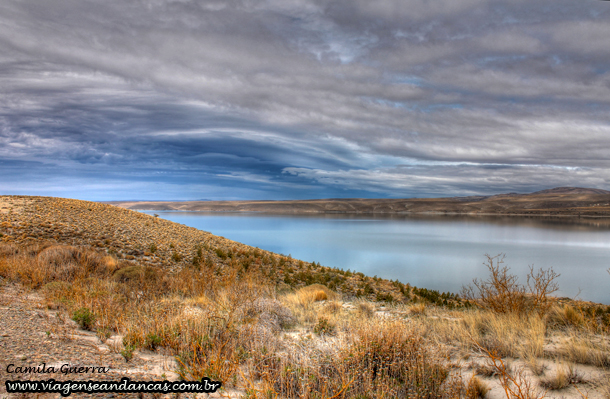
x,y
561,201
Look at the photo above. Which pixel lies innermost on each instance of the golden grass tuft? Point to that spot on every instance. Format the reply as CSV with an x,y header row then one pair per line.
x,y
476,388
315,293
507,335
562,317
418,309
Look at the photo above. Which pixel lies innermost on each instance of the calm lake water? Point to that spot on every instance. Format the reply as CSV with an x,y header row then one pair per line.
x,y
441,253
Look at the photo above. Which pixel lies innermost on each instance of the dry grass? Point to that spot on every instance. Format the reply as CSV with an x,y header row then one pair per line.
x,y
365,310
476,388
217,309
382,359
151,308
314,293
303,303
585,349
564,376
507,335
228,327
573,317
418,309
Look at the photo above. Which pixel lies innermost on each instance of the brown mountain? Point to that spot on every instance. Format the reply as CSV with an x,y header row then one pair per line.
x,y
573,190
561,201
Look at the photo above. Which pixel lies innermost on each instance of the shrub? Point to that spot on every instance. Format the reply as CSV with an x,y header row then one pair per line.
x,y
324,327
127,352
151,341
384,297
129,273
85,318
391,357
502,293
365,310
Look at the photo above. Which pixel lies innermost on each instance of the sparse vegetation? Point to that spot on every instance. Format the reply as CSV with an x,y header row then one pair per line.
x,y
272,326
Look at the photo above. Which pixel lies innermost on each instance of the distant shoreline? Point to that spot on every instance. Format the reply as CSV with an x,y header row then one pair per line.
x,y
547,215
559,202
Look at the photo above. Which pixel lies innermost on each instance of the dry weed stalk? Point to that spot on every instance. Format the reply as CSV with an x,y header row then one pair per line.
x,y
516,384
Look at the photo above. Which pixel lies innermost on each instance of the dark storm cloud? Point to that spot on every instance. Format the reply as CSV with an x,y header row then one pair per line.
x,y
298,98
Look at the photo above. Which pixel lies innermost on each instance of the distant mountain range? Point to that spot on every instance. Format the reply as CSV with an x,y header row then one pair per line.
x,y
560,201
573,190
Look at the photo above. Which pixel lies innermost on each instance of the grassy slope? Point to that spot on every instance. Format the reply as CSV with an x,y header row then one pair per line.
x,y
131,237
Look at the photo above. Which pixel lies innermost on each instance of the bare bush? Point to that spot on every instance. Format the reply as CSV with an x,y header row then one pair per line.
x,y
502,292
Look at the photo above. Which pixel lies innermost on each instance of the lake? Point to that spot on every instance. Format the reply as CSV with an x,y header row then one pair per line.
x,y
441,253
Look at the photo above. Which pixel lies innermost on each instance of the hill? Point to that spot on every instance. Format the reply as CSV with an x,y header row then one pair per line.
x,y
562,201
152,299
133,238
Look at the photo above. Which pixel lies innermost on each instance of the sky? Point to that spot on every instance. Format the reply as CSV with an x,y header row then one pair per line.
x,y
297,99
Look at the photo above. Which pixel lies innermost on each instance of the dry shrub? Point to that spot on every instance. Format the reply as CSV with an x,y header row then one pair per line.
x,y
485,369
516,384
214,328
375,360
204,346
41,263
61,262
502,292
476,388
393,359
8,250
148,306
142,277
365,310
268,312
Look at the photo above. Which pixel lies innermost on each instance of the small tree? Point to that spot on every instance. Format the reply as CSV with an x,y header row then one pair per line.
x,y
502,293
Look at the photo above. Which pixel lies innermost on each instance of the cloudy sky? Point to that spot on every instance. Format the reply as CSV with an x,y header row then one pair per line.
x,y
288,99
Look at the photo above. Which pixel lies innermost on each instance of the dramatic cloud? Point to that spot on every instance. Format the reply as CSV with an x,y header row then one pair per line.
x,y
278,99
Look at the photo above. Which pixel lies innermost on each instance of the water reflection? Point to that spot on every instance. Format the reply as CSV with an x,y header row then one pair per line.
x,y
436,251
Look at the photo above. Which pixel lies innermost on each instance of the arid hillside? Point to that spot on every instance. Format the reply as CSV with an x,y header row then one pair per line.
x,y
562,201
133,238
